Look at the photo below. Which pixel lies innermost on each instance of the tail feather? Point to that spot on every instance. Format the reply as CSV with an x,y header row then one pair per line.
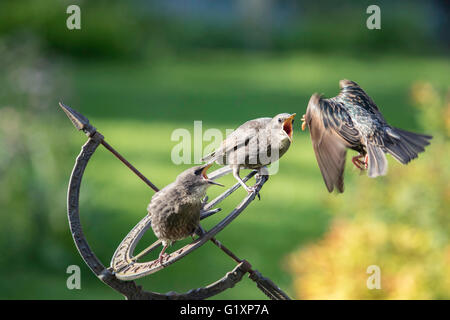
x,y
408,146
377,162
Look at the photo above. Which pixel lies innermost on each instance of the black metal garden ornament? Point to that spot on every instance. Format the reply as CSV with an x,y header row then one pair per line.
x,y
125,267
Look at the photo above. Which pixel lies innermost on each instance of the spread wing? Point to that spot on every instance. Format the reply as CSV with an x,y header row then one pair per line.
x,y
332,132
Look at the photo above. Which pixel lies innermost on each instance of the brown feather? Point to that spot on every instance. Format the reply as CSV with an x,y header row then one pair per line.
x,y
329,147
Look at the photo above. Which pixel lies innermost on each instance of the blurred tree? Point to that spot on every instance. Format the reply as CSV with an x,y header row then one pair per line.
x,y
121,29
109,28
256,21
31,181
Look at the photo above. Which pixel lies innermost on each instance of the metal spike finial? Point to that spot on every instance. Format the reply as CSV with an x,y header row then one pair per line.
x,y
79,121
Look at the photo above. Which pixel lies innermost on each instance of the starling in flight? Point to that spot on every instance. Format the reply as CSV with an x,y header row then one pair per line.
x,y
351,120
254,145
175,210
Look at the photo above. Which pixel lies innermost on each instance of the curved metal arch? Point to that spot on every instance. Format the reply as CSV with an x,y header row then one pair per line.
x,y
116,275
126,268
128,288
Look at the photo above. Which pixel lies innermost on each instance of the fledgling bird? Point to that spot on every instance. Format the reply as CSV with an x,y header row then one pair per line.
x,y
175,210
351,120
254,145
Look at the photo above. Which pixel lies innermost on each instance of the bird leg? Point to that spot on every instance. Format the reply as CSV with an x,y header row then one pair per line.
x,y
238,178
263,171
199,231
163,255
303,123
358,163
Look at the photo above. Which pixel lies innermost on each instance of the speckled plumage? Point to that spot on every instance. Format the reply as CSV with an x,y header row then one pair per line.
x,y
352,120
175,210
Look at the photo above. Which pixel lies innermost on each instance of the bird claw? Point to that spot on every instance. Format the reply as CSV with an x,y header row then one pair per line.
x,y
361,165
162,257
252,189
199,231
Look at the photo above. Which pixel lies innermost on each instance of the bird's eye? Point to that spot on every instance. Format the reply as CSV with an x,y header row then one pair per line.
x,y
279,120
198,171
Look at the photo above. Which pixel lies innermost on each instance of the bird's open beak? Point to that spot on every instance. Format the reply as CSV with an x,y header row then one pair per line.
x,y
287,125
206,177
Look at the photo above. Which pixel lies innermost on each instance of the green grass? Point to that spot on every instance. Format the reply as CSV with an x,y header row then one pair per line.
x,y
136,107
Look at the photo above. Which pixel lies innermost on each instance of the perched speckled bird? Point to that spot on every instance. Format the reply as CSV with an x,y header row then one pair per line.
x,y
352,120
175,210
254,145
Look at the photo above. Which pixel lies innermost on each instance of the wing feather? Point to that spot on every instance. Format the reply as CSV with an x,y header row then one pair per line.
x,y
241,137
331,131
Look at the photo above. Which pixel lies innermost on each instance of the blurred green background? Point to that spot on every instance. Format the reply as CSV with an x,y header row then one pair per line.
x,y
141,69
